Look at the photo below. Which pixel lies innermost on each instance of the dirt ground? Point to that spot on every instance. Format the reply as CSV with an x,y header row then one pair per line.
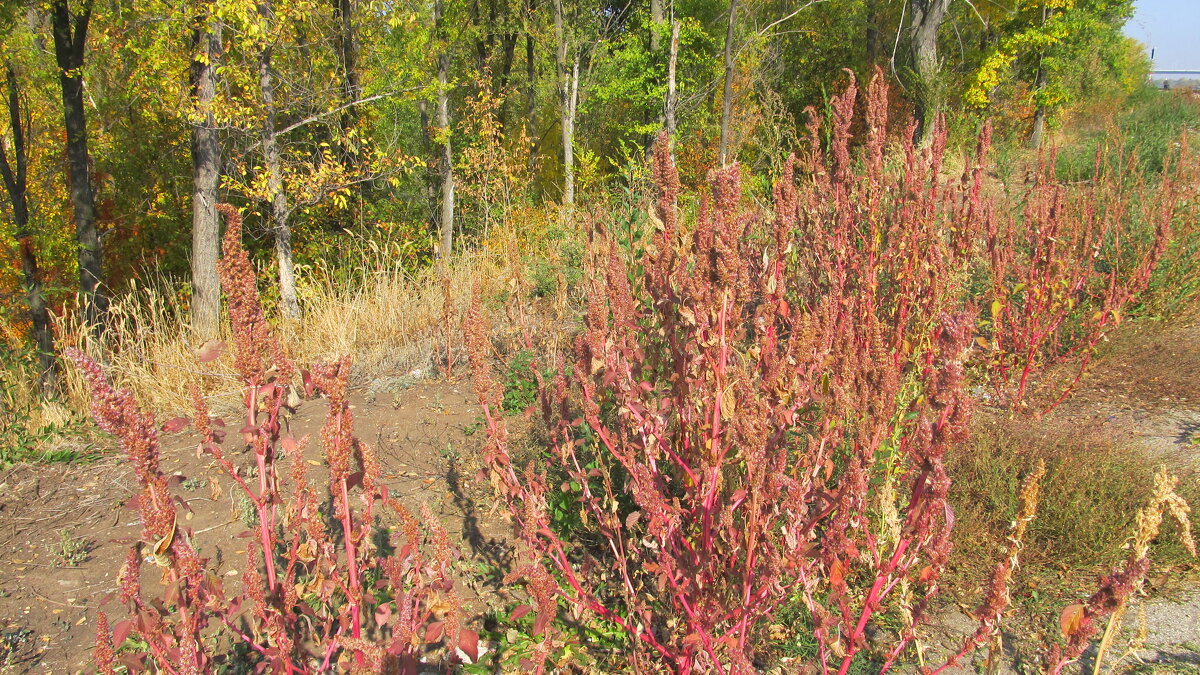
x,y
48,604
1144,388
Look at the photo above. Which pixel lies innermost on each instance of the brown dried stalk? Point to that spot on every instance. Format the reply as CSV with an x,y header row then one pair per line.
x,y
1080,621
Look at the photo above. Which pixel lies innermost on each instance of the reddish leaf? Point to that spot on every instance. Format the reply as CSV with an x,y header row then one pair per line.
x,y
468,642
176,424
383,614
1071,619
835,575
171,594
210,351
143,620
433,632
520,611
121,631
136,663
927,574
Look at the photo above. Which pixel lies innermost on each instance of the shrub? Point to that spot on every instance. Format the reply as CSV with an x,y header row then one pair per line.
x,y
1066,271
311,587
755,419
742,396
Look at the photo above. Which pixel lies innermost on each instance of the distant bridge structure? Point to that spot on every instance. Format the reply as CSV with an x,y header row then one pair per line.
x,y
1169,79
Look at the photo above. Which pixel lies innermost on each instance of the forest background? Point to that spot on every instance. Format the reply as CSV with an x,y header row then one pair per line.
x,y
1006,192
413,129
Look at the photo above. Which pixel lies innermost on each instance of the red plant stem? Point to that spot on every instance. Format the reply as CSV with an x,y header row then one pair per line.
x,y
873,597
748,582
704,637
259,648
329,653
263,524
818,633
261,498
251,405
351,561
715,438
559,556
616,542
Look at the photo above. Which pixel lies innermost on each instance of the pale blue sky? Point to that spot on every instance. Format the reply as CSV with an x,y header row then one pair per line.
x,y
1171,28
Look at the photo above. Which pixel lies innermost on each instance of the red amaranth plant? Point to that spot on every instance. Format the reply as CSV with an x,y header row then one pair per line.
x,y
727,409
307,591
1065,271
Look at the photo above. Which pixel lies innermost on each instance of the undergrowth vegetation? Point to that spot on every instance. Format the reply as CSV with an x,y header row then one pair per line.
x,y
1090,495
753,449
757,412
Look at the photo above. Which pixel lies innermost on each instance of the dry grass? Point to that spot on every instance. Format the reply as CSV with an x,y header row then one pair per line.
x,y
1090,495
389,319
1090,498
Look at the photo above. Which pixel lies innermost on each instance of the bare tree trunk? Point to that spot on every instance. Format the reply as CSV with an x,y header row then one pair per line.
x,y
70,37
508,50
874,42
429,182
446,219
571,106
927,18
288,300
206,177
346,44
727,97
1039,112
656,19
568,87
531,88
672,95
17,184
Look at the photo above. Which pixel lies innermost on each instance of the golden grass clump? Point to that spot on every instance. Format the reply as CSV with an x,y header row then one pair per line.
x,y
387,317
